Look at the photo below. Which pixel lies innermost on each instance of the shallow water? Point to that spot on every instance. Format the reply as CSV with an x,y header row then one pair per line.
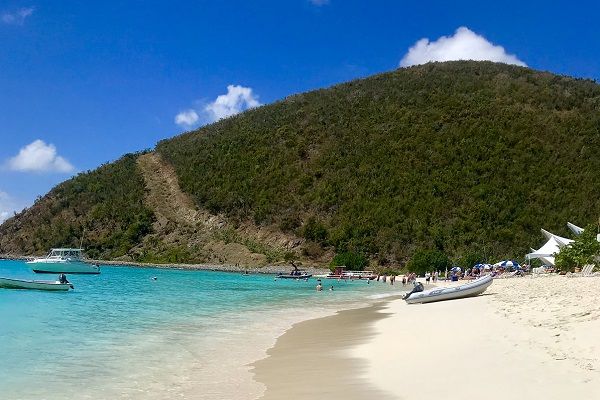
x,y
120,334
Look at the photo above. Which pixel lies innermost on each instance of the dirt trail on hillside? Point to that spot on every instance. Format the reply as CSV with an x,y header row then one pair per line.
x,y
166,198
179,222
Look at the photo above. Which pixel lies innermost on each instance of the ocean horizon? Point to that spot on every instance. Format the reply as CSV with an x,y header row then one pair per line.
x,y
123,335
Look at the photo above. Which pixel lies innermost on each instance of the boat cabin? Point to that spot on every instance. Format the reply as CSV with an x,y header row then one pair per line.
x,y
65,253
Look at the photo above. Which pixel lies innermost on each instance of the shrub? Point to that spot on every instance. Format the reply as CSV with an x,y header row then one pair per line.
x,y
428,260
583,250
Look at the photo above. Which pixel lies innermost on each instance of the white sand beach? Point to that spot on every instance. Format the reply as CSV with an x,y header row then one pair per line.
x,y
525,338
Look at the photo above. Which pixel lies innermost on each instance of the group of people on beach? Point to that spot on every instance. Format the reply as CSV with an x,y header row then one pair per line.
x,y
384,279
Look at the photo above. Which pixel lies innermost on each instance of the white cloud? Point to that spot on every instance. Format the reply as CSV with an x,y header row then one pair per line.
x,y
319,3
17,17
7,206
463,45
39,157
187,118
237,99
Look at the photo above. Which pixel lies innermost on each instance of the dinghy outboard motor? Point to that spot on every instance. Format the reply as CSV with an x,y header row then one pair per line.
x,y
418,288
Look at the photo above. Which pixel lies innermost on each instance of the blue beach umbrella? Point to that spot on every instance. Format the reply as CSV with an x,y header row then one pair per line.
x,y
509,264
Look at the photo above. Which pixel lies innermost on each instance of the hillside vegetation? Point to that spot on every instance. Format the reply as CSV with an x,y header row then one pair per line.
x,y
104,207
458,157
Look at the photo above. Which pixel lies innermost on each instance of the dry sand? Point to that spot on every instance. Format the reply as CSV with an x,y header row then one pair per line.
x,y
525,338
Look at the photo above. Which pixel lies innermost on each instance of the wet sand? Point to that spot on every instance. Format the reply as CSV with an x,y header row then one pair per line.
x,y
313,359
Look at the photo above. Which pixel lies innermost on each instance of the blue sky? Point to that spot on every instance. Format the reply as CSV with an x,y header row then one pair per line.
x,y
82,83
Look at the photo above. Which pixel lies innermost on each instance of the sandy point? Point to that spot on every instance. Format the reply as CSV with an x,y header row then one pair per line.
x,y
525,338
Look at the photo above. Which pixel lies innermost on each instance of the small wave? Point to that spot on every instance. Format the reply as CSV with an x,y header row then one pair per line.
x,y
383,295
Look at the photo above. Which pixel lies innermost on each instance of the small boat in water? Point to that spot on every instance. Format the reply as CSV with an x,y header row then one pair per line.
x,y
11,283
295,274
63,261
292,275
470,289
341,273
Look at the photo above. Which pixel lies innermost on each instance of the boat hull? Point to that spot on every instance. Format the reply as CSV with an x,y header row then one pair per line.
x,y
305,276
470,289
346,277
63,268
9,283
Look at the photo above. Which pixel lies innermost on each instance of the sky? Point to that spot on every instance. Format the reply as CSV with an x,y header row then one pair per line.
x,y
84,82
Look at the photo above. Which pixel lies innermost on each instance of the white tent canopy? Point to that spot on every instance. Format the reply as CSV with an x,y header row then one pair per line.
x,y
550,248
559,239
548,261
546,252
574,228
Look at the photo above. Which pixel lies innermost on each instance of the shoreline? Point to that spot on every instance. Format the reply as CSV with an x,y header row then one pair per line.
x,y
524,338
302,366
185,357
267,269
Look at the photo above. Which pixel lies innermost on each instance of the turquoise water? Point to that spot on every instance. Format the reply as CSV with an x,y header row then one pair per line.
x,y
120,334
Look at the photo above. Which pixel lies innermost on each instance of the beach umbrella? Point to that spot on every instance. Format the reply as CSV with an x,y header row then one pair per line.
x,y
509,264
456,269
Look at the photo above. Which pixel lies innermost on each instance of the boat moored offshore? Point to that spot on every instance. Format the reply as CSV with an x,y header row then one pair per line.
x,y
12,283
63,261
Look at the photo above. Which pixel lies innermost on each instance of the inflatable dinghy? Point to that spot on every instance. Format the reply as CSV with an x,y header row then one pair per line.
x,y
470,289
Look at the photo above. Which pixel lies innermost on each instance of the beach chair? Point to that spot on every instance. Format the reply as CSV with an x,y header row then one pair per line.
x,y
509,275
587,270
539,270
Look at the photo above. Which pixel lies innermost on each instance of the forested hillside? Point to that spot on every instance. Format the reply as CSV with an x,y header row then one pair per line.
x,y
462,157
103,207
458,156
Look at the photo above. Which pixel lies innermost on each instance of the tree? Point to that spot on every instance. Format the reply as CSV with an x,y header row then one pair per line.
x,y
351,260
428,260
471,258
584,250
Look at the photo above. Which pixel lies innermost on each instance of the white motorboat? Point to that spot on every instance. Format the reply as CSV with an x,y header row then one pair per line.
x,y
470,289
11,283
63,261
341,273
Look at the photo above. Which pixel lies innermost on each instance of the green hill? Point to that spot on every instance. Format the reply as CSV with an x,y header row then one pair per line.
x,y
461,156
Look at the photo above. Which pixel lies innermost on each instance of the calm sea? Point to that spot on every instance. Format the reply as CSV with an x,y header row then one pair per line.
x,y
123,335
